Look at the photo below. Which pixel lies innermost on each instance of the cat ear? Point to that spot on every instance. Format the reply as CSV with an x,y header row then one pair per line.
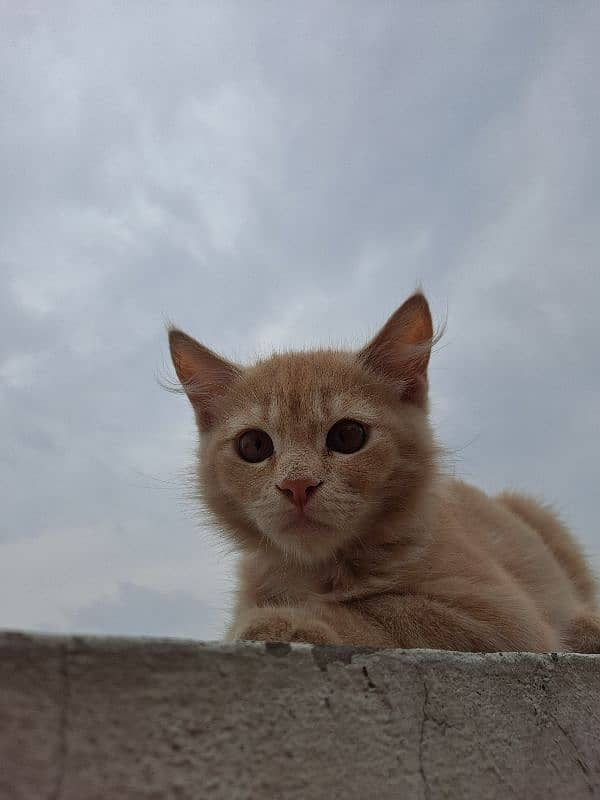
x,y
400,351
205,377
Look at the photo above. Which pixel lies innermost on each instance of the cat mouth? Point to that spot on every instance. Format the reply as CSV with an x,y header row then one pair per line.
x,y
300,520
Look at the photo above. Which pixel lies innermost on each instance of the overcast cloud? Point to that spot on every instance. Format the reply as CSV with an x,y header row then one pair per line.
x,y
278,175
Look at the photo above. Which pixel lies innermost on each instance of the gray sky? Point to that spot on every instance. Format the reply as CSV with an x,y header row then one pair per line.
x,y
278,175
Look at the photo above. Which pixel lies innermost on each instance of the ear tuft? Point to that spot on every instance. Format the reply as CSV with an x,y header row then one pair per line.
x,y
400,351
204,376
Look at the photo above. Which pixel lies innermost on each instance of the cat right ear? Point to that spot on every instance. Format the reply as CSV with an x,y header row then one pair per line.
x,y
205,377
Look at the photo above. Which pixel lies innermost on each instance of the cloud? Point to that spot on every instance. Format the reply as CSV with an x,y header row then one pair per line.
x,y
136,611
62,579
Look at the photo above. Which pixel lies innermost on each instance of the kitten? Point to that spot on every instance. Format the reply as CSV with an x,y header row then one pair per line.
x,y
323,469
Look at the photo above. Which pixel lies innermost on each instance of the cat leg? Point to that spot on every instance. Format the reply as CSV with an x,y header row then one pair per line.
x,y
282,624
582,634
422,622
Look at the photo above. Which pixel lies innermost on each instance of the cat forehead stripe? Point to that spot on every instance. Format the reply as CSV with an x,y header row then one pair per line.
x,y
315,408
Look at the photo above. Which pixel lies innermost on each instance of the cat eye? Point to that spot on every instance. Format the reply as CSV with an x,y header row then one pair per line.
x,y
255,446
346,436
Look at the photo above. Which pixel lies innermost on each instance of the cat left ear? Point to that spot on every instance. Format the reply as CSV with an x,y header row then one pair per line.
x,y
400,351
204,376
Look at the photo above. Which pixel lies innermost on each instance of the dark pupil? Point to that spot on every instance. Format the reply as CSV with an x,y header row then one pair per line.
x,y
349,435
252,445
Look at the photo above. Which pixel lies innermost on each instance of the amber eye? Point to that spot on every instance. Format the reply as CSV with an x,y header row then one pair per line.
x,y
254,446
346,436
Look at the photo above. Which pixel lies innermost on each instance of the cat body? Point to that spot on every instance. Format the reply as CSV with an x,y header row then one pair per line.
x,y
324,471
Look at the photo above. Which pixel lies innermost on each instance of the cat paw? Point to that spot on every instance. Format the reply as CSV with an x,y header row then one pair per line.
x,y
283,625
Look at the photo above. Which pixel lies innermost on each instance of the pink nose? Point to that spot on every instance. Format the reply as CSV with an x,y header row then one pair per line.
x,y
299,490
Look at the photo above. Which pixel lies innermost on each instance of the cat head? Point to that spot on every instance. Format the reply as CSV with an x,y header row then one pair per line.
x,y
307,452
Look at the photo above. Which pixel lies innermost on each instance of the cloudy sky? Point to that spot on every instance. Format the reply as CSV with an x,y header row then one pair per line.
x,y
278,174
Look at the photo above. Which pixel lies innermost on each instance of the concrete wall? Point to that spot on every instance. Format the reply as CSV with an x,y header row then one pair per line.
x,y
126,719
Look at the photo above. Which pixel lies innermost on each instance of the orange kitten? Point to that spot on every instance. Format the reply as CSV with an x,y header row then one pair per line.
x,y
323,469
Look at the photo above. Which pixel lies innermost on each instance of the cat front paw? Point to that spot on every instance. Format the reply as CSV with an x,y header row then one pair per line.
x,y
283,625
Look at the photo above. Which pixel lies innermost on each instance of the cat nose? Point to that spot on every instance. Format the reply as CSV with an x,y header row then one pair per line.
x,y
299,490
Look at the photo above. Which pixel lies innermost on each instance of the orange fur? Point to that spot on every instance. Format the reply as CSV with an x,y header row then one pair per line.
x,y
391,552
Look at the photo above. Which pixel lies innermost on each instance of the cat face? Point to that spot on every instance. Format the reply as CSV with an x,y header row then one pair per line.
x,y
308,452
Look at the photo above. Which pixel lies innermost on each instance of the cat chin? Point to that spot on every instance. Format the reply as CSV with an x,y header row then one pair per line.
x,y
303,554
305,527
306,541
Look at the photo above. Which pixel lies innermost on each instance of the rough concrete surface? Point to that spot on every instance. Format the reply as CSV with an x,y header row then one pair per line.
x,y
87,718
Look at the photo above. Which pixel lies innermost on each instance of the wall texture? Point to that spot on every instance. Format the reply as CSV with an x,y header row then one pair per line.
x,y
117,718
